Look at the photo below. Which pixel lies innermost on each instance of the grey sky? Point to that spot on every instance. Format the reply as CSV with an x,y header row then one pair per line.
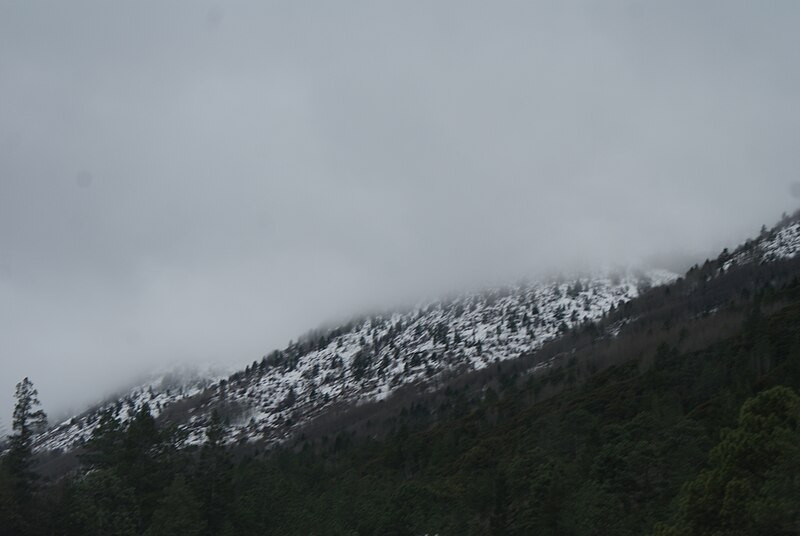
x,y
188,181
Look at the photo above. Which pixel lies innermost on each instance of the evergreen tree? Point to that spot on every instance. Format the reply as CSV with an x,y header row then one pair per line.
x,y
104,448
27,421
145,460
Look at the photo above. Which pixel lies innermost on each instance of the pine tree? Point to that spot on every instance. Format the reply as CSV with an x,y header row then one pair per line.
x,y
144,460
27,421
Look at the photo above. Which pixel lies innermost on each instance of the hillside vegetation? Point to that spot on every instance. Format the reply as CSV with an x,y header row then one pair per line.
x,y
676,413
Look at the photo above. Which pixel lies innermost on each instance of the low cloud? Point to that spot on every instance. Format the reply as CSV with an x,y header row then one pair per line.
x,y
191,183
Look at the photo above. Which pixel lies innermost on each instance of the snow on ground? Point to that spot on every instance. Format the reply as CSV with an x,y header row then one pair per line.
x,y
780,243
370,359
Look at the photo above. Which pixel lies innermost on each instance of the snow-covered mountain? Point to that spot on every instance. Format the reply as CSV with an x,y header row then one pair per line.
x,y
369,359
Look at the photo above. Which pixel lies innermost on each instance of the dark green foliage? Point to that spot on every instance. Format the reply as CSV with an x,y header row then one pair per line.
x,y
102,505
26,422
178,512
668,440
609,457
11,520
753,483
18,481
214,475
104,448
139,457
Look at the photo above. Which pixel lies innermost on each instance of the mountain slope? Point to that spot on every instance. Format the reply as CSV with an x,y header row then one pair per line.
x,y
370,359
687,421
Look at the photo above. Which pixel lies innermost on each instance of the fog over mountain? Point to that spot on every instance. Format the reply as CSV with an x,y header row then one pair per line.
x,y
199,182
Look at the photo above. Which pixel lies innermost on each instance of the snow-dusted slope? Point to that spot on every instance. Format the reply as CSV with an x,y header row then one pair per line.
x,y
782,242
369,359
160,392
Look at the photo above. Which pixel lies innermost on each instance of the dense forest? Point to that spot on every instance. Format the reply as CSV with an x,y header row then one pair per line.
x,y
687,424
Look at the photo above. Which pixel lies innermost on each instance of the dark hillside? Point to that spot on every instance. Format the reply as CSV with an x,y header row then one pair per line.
x,y
684,422
607,457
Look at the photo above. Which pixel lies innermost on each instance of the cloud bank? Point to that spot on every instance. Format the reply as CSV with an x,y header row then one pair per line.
x,y
193,182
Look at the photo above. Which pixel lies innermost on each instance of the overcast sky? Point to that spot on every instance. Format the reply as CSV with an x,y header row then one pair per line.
x,y
189,181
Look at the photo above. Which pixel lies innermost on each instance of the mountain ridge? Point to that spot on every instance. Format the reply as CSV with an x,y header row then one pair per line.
x,y
369,359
